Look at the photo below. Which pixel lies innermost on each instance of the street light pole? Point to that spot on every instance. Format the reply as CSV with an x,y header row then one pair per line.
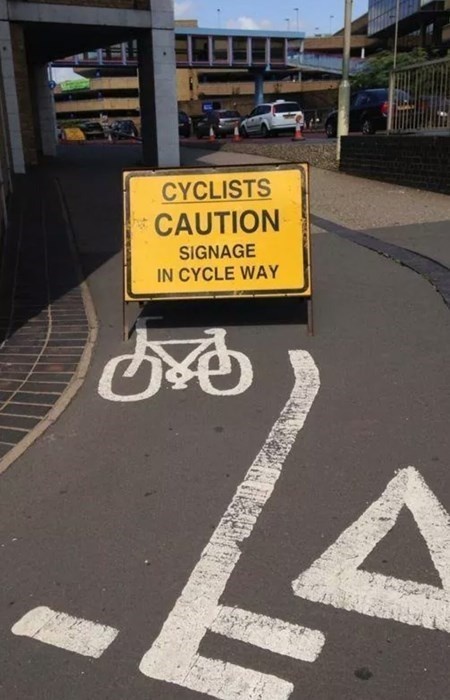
x,y
394,66
344,87
288,24
296,10
397,19
218,17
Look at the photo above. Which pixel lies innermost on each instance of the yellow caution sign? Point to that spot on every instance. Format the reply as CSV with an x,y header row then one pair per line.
x,y
217,232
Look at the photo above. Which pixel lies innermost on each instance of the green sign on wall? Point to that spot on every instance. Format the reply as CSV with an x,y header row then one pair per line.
x,y
71,85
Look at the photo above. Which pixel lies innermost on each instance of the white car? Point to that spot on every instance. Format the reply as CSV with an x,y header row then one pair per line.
x,y
272,118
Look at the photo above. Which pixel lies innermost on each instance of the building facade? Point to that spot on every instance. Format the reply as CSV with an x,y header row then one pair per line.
x,y
421,23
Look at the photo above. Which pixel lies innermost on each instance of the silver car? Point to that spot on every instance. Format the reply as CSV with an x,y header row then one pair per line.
x,y
222,121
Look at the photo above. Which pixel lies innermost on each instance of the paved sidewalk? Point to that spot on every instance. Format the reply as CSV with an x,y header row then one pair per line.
x,y
414,219
44,328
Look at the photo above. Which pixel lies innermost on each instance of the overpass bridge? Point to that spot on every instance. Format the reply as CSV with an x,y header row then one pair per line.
x,y
322,62
200,48
196,47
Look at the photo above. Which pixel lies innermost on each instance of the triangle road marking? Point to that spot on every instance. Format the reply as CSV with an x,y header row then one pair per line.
x,y
335,579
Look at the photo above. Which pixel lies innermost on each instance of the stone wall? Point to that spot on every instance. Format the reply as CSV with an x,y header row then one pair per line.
x,y
411,160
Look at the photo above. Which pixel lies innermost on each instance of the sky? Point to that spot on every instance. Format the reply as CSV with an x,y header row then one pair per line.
x,y
314,17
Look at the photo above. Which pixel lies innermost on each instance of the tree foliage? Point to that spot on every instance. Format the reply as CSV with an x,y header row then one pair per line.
x,y
375,73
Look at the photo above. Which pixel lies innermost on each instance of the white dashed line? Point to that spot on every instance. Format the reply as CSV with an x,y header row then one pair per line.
x,y
66,632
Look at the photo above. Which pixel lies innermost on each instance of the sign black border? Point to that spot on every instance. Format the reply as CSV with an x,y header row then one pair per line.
x,y
305,232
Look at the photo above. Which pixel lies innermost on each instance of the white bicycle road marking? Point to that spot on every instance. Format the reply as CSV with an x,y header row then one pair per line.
x,y
66,632
174,656
208,352
335,579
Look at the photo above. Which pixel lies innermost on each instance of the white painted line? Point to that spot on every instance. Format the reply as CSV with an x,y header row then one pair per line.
x,y
224,681
278,636
336,580
174,656
66,632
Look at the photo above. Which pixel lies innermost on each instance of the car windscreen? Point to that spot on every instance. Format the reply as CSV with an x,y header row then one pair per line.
x,y
402,96
377,95
229,114
286,107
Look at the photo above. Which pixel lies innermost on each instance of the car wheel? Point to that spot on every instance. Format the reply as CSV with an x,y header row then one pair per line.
x,y
367,126
243,132
330,130
265,133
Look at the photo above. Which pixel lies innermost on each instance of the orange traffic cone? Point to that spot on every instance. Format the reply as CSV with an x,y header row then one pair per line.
x,y
298,133
236,135
212,136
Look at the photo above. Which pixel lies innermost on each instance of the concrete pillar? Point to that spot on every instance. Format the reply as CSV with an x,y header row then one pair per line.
x,y
259,88
46,114
438,27
423,36
7,76
158,89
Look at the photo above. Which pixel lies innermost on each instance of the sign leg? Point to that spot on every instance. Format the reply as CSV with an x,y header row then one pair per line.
x,y
310,313
126,330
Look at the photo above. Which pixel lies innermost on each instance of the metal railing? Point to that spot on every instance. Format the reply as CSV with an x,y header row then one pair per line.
x,y
324,62
419,98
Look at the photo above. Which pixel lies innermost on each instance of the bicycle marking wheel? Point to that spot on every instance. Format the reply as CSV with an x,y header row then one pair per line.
x,y
244,367
110,375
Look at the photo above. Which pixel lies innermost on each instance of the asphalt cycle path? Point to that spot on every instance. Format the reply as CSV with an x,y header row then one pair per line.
x,y
277,530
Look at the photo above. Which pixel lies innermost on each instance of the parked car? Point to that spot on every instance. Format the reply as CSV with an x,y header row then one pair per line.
x,y
184,125
92,131
434,112
72,133
222,121
369,111
272,118
124,129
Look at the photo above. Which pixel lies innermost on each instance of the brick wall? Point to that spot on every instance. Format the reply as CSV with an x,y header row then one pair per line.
x,y
4,166
22,77
414,161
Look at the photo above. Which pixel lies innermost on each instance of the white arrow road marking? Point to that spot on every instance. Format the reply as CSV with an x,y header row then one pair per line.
x,y
66,632
335,579
174,656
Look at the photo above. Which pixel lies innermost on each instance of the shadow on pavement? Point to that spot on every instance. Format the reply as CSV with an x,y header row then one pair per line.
x,y
218,312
